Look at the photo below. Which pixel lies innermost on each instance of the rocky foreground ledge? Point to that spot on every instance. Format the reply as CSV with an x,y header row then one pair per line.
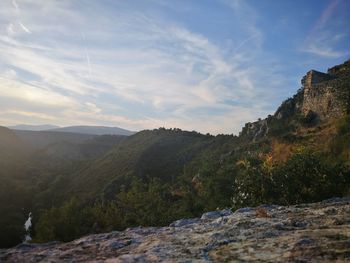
x,y
318,232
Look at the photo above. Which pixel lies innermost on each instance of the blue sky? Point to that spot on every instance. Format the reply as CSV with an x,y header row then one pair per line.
x,y
206,65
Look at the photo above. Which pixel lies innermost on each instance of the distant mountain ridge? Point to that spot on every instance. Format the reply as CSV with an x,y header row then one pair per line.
x,y
94,130
81,129
28,127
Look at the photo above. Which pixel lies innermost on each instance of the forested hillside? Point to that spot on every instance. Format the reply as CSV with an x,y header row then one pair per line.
x,y
299,154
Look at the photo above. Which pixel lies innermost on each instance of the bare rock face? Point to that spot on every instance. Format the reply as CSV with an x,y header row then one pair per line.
x,y
325,93
313,77
322,97
318,232
256,130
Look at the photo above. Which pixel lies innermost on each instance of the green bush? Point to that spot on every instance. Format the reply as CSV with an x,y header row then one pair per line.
x,y
309,177
305,177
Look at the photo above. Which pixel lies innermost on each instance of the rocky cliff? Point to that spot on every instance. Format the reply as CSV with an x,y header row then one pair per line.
x,y
318,232
323,94
322,97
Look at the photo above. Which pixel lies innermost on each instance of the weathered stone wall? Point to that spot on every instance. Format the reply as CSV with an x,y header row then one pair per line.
x,y
339,69
324,94
314,77
324,99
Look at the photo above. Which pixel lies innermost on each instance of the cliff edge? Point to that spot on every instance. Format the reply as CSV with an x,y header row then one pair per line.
x,y
318,232
323,97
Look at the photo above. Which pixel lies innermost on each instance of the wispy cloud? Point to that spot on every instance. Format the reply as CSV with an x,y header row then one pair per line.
x,y
20,91
324,51
322,40
24,28
132,69
16,25
327,14
15,5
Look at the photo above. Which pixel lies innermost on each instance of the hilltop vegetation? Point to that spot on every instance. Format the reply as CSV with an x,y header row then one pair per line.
x,y
300,154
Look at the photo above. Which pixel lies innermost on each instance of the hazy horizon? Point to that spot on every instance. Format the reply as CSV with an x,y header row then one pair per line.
x,y
205,66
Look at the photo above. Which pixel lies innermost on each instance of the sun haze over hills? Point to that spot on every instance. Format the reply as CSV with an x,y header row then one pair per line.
x,y
157,131
77,184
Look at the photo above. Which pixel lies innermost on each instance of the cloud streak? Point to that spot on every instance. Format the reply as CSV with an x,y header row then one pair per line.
x,y
321,39
172,77
24,28
133,68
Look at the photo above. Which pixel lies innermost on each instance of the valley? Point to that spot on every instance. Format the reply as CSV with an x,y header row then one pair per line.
x,y
77,184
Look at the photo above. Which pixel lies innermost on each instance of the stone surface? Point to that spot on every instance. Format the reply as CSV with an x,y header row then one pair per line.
x,y
216,214
323,97
324,93
313,77
255,130
318,232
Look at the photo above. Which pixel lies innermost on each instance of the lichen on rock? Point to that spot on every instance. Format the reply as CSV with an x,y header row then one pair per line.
x,y
318,232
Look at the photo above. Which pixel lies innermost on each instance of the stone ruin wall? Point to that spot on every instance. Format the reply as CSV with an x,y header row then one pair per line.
x,y
322,95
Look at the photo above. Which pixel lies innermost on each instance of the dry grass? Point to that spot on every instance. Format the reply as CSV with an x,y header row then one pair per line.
x,y
261,212
281,151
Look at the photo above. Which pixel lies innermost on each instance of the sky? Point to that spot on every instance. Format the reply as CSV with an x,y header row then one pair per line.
x,y
209,66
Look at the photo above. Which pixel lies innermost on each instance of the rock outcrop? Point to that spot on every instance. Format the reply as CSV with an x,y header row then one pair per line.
x,y
323,93
318,232
322,97
256,130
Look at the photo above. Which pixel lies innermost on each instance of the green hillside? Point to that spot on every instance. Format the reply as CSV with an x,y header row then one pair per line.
x,y
299,154
11,145
27,171
158,154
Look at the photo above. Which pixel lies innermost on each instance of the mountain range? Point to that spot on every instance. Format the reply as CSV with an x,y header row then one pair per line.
x,y
76,181
92,130
27,127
